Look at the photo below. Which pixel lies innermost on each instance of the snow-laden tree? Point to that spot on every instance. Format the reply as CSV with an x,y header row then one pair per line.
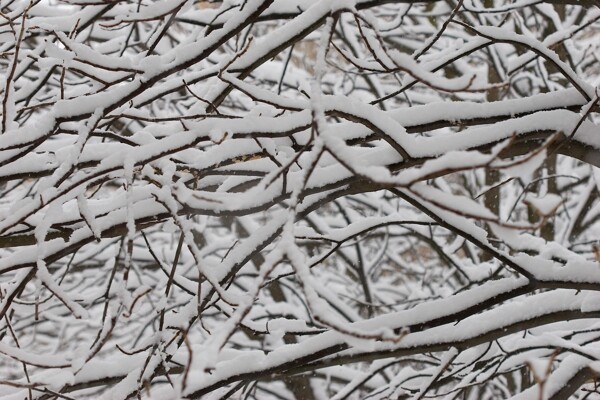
x,y
299,199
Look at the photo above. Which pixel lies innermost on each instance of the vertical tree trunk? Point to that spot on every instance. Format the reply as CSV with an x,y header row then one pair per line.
x,y
492,197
